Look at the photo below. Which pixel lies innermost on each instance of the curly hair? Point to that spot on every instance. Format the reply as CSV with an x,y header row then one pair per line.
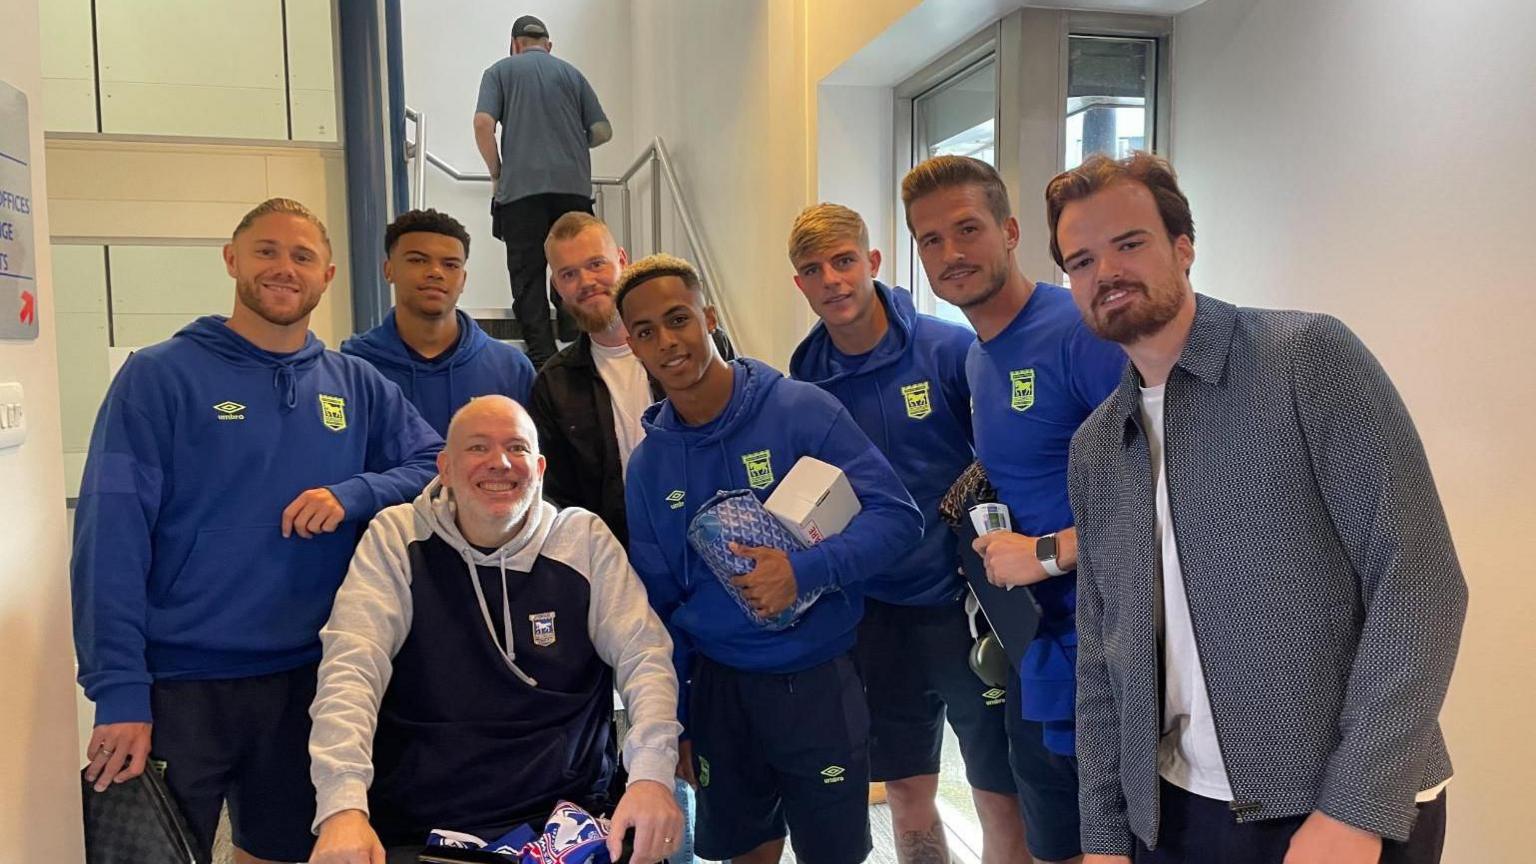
x,y
655,267
430,221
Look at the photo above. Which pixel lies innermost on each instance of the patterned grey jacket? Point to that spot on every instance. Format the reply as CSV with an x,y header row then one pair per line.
x,y
1325,593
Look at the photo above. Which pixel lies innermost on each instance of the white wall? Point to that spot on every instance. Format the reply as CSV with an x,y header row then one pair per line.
x,y
854,128
449,43
1371,159
39,788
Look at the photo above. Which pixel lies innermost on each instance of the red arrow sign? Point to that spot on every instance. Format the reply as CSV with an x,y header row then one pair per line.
x,y
28,310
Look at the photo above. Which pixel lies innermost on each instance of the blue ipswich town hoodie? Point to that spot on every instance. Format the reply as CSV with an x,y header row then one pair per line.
x,y
767,426
909,395
477,366
180,569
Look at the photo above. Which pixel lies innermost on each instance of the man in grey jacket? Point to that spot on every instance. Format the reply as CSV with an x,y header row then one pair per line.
x,y
470,660
1269,603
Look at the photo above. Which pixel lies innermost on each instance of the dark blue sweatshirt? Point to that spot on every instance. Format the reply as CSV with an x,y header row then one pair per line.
x,y
476,366
768,425
909,395
180,569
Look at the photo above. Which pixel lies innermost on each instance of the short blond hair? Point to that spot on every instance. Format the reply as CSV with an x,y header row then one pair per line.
x,y
572,224
818,227
655,267
282,205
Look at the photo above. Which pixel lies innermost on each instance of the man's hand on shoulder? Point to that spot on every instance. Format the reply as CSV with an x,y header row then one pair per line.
x,y
315,511
1323,839
651,809
118,751
770,587
347,838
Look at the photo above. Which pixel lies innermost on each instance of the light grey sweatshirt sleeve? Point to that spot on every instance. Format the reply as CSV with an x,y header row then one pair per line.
x,y
369,621
631,639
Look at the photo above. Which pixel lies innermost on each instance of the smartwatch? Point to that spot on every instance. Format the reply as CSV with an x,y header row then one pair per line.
x,y
1045,551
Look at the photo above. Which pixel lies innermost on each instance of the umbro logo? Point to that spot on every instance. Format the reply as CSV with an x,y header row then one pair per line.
x,y
994,696
833,774
228,410
676,499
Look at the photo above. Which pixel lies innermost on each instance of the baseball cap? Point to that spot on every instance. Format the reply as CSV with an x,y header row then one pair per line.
x,y
529,26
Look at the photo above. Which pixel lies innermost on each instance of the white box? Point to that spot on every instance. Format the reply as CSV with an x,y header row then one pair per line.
x,y
814,501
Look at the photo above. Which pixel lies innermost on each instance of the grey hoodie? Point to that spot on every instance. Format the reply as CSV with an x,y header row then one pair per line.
x,y
372,617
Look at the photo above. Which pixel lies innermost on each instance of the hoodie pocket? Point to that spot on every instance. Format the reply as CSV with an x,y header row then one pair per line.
x,y
249,588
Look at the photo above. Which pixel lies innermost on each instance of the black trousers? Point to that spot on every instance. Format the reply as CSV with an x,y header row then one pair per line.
x,y
1198,830
522,225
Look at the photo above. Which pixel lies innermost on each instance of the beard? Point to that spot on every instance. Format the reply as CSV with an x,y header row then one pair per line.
x,y
1139,319
593,320
510,523
996,277
249,294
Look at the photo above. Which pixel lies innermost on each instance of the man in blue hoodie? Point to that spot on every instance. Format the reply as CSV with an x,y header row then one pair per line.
x,y
436,353
229,472
901,376
776,727
1036,373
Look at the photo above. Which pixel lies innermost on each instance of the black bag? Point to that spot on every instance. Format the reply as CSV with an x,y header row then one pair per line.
x,y
136,822
1013,615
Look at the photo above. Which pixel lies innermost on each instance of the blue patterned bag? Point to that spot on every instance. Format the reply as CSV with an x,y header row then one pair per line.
x,y
738,517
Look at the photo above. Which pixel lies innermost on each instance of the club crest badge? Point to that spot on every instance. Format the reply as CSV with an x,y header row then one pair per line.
x,y
543,629
759,469
1023,381
919,404
333,412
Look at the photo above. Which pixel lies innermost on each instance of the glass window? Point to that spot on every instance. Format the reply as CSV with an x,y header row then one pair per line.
x,y
955,118
1111,96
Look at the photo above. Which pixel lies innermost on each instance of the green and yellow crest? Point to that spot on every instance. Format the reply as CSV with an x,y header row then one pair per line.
x,y
759,469
1023,381
333,412
919,405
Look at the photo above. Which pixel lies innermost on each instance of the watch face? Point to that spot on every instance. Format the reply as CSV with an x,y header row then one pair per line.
x,y
1045,548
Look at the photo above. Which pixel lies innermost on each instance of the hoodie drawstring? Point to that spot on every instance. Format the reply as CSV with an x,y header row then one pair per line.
x,y
509,652
286,385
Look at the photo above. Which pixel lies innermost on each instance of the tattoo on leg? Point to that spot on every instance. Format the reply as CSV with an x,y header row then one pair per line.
x,y
923,847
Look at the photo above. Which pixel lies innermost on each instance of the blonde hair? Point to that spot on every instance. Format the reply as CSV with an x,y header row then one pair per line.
x,y
282,205
655,267
573,224
820,226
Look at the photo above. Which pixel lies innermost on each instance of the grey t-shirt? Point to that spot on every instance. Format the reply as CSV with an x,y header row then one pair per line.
x,y
545,107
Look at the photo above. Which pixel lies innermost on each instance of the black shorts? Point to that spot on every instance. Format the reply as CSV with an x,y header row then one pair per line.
x,y
244,741
1047,785
914,661
781,752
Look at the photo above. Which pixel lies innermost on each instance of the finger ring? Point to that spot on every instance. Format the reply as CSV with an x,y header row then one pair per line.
x,y
107,751
666,839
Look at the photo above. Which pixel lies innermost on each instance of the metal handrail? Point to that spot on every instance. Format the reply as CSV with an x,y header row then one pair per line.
x,y
662,168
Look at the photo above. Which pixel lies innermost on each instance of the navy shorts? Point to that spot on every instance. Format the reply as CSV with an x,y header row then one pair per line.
x,y
781,752
244,741
916,669
1047,784
1198,830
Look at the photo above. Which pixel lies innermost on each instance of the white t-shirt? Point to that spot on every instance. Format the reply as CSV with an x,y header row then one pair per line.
x,y
1188,754
630,391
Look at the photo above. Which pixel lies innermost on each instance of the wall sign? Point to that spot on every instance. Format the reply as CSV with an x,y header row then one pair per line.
x,y
18,253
